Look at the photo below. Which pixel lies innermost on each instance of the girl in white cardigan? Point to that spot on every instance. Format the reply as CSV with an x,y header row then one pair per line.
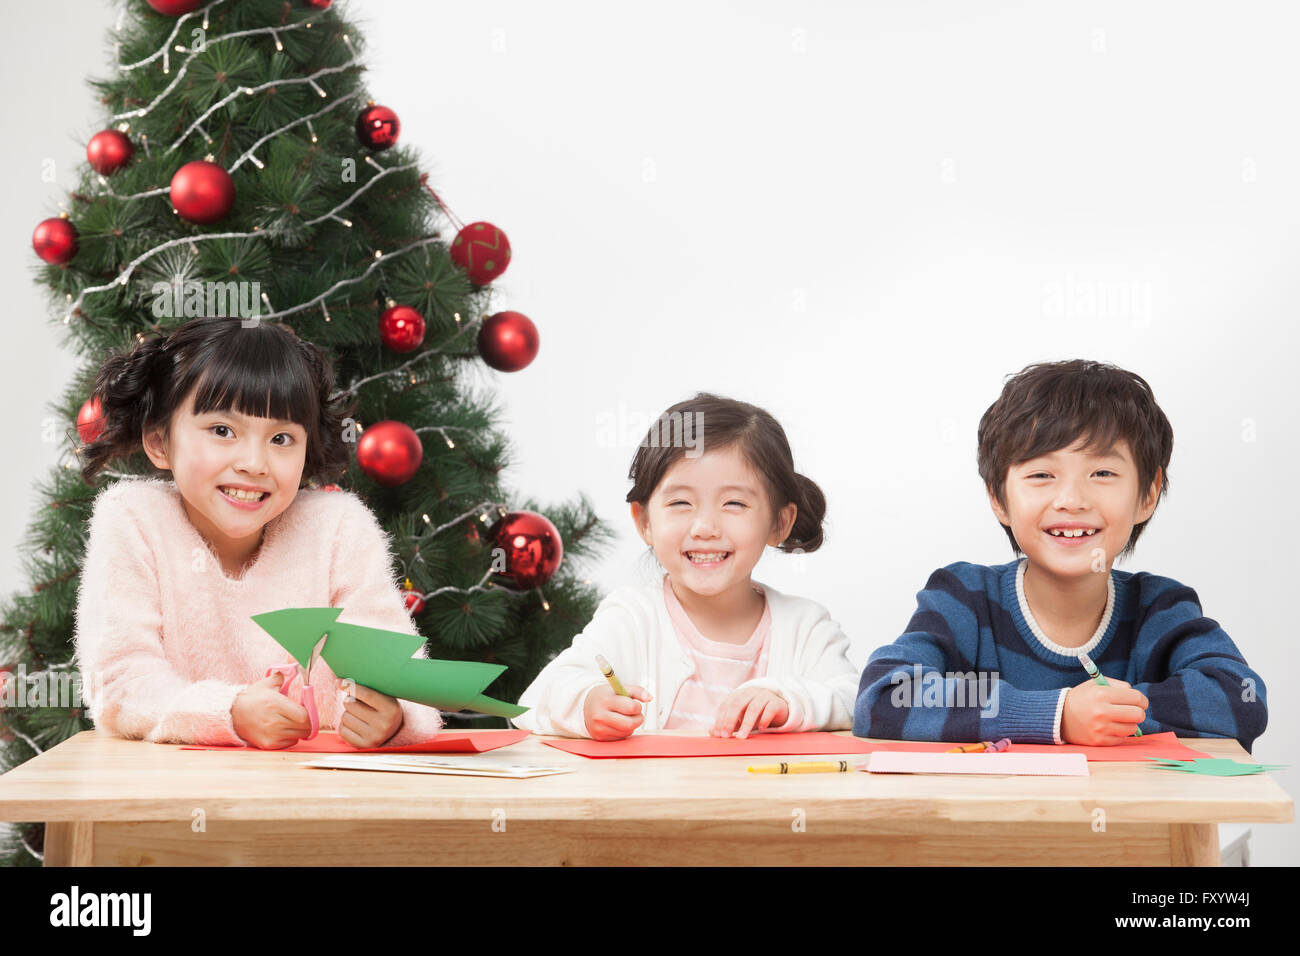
x,y
713,484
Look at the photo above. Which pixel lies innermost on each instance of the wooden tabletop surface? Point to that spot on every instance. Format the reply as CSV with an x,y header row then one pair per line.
x,y
96,776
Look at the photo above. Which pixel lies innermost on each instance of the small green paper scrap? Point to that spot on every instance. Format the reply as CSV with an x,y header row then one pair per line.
x,y
1215,766
383,660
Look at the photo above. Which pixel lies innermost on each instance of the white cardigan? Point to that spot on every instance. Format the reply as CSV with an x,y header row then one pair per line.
x,y
807,663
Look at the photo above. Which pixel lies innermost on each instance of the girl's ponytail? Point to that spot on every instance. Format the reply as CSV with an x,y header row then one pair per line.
x,y
128,385
806,535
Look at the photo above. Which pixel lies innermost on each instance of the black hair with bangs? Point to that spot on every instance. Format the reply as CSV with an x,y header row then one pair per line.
x,y
261,370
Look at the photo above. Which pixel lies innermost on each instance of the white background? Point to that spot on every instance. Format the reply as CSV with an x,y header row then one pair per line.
x,y
859,216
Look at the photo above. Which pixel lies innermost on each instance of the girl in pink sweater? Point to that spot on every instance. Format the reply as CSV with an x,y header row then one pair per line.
x,y
242,417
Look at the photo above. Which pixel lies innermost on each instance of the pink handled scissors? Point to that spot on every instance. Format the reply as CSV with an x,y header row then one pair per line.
x,y
306,696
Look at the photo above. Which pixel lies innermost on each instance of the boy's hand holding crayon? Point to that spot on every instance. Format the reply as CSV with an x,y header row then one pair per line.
x,y
750,708
612,716
1101,715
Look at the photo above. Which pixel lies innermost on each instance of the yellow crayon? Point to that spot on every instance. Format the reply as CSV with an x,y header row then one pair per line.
x,y
968,749
610,676
807,766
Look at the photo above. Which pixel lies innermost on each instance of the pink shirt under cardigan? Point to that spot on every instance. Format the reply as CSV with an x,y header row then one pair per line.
x,y
164,639
720,667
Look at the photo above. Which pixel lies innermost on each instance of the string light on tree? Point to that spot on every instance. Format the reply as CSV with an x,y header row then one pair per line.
x,y
390,452
108,151
482,250
508,341
55,240
401,327
378,127
202,192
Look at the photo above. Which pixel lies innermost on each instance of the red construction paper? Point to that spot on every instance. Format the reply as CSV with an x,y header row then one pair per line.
x,y
820,742
328,742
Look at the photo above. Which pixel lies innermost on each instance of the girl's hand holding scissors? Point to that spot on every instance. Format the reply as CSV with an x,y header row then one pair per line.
x,y
268,719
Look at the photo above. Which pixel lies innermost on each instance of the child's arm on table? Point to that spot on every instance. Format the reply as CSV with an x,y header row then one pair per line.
x,y
939,645
818,697
558,696
131,688
362,585
1198,682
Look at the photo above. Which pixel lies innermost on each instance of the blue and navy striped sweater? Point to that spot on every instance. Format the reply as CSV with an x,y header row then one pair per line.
x,y
970,667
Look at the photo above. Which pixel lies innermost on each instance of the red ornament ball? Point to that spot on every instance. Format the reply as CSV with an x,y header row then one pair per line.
x,y
108,151
174,8
411,597
401,328
389,452
482,250
508,341
320,4
202,192
90,419
532,549
55,240
378,127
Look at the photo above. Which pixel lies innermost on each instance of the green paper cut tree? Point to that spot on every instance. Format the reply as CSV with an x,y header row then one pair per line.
x,y
383,660
1214,766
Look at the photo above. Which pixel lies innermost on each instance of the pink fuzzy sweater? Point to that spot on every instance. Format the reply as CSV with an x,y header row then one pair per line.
x,y
164,639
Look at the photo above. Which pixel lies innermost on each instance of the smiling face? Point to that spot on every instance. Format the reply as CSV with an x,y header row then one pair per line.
x,y
226,450
708,521
1063,506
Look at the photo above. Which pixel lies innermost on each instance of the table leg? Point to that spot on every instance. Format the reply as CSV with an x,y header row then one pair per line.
x,y
1194,844
70,843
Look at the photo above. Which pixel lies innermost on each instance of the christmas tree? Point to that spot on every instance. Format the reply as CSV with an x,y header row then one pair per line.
x,y
245,168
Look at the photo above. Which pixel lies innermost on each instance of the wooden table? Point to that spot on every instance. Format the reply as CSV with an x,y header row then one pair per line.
x,y
111,801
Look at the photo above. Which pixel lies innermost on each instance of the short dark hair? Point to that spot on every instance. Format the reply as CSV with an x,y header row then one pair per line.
x,y
260,370
718,423
1053,405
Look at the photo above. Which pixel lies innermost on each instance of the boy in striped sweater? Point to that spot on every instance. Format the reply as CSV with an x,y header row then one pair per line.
x,y
1074,456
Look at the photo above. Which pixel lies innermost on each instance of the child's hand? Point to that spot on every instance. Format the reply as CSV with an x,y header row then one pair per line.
x,y
610,716
369,718
750,708
1101,716
266,718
